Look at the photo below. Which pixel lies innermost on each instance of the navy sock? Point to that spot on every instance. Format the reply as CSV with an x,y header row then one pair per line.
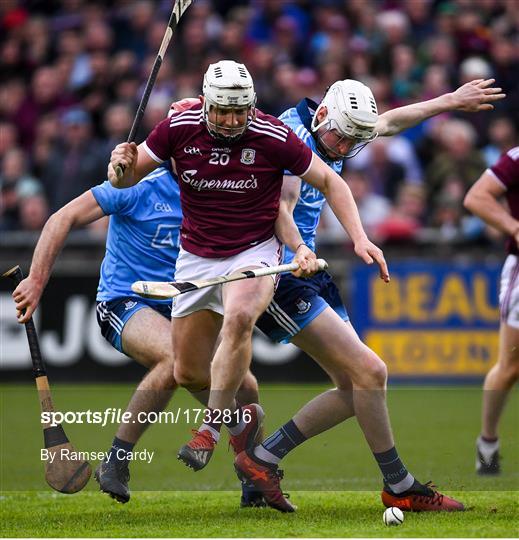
x,y
393,470
120,450
284,440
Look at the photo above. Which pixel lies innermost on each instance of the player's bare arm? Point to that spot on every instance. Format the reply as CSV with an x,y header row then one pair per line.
x,y
474,96
136,161
340,199
482,200
77,213
287,231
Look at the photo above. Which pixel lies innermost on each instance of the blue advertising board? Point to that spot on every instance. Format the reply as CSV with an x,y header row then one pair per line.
x,y
432,319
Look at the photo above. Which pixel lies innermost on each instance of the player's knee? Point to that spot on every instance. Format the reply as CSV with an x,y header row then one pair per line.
x,y
190,378
238,324
378,370
374,373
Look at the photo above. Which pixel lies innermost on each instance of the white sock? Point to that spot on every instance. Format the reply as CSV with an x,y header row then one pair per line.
x,y
487,448
214,433
262,453
403,485
238,428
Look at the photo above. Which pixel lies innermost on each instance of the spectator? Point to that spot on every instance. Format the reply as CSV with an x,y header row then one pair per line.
x,y
502,136
400,150
447,218
117,123
46,96
77,161
406,75
8,138
421,23
131,31
472,37
16,187
458,157
384,173
262,26
373,208
34,212
406,218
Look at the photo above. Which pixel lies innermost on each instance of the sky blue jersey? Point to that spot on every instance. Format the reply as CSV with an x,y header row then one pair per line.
x,y
307,211
143,235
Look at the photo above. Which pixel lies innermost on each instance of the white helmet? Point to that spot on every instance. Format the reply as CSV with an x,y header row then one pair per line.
x,y
351,111
227,87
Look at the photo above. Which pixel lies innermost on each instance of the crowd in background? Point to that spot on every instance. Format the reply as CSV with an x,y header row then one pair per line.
x,y
72,73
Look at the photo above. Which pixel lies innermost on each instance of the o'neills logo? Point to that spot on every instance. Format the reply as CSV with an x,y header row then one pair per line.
x,y
234,186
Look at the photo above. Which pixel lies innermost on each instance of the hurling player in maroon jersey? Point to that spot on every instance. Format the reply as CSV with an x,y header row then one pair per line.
x,y
230,160
501,180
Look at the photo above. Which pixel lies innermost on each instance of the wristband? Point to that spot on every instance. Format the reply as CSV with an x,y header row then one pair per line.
x,y
301,244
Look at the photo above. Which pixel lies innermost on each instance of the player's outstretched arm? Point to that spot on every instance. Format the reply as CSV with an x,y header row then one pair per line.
x,y
482,199
341,201
287,231
474,96
81,211
136,161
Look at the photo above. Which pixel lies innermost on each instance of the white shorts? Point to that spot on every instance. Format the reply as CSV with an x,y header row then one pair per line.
x,y
509,292
190,267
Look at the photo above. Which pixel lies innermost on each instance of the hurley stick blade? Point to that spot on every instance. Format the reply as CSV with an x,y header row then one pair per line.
x,y
66,473
65,470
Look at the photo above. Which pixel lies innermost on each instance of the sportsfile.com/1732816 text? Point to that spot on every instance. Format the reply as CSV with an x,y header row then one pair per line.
x,y
113,415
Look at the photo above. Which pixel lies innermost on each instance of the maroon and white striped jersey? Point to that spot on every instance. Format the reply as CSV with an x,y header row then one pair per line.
x,y
506,172
229,191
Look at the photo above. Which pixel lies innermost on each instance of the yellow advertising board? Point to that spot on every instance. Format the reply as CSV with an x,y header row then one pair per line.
x,y
432,319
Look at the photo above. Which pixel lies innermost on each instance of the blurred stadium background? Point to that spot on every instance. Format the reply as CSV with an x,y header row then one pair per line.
x,y
72,72
71,75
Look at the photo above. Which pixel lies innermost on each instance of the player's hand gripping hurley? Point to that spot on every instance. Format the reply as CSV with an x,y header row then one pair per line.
x,y
178,10
170,289
65,473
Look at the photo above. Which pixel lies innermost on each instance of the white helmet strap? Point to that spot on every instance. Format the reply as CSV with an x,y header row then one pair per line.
x,y
315,127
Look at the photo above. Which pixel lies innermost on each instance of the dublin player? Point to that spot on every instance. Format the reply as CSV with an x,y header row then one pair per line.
x,y
230,160
142,243
500,180
310,314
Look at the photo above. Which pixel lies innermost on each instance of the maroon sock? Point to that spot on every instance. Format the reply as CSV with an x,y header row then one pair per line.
x,y
489,440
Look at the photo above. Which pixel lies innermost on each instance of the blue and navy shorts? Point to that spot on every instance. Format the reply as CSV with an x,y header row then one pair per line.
x,y
112,315
297,302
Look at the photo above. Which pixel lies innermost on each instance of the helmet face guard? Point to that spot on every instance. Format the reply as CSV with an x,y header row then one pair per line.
x,y
227,122
337,145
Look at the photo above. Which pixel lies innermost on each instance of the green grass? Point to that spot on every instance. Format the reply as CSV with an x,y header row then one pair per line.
x,y
195,514
332,478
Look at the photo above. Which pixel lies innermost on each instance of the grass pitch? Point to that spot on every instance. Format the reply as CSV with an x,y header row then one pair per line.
x,y
202,514
332,478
